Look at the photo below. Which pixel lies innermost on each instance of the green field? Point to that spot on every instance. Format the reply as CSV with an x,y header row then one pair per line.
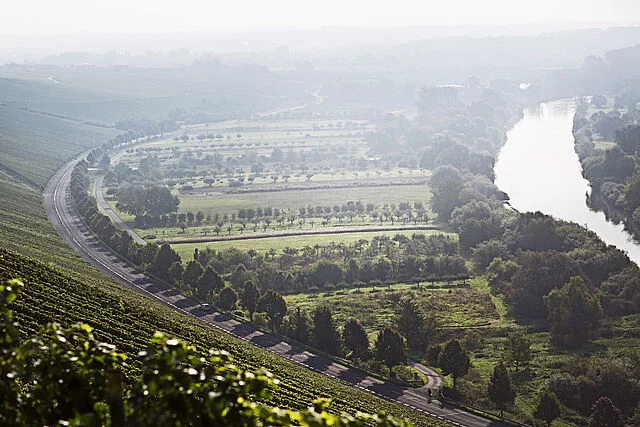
x,y
185,250
210,203
461,307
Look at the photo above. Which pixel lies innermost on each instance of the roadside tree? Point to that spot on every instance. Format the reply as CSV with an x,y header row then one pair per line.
x,y
454,360
500,389
355,339
324,334
390,347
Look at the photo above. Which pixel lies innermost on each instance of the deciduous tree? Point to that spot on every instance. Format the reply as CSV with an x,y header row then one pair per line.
x,y
250,297
227,298
390,347
500,389
574,313
548,408
454,360
324,334
355,338
272,303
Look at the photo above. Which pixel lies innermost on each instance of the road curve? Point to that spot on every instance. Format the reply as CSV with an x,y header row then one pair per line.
x,y
78,237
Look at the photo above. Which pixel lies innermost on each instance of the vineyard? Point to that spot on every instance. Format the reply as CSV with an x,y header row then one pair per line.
x,y
129,321
61,287
35,145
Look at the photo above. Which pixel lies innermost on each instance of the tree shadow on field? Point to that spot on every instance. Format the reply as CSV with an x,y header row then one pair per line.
x,y
242,330
353,376
387,389
265,341
319,362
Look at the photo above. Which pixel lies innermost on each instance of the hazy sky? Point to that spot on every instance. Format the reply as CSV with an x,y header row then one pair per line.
x,y
72,16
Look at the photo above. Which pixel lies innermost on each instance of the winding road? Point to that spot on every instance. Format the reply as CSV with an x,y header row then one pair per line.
x,y
77,236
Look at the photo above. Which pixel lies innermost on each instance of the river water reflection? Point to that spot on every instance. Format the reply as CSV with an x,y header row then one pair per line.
x,y
540,171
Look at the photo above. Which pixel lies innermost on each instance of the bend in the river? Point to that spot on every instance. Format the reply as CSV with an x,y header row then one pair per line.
x,y
539,169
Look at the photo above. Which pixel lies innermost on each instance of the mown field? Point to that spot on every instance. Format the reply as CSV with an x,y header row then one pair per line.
x,y
210,203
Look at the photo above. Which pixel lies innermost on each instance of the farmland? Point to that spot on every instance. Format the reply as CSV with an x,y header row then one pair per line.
x,y
264,175
129,321
61,287
455,305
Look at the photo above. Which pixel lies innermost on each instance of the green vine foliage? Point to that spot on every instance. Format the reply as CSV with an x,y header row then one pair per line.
x,y
64,376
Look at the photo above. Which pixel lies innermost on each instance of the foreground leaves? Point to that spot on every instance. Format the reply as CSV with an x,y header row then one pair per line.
x,y
67,377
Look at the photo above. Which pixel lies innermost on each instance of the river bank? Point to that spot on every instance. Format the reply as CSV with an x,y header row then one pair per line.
x,y
540,170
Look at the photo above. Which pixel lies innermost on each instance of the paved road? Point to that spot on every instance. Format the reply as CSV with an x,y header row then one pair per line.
x,y
72,230
434,381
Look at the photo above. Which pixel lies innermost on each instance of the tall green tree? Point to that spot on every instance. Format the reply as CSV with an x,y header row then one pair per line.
x,y
209,281
548,408
605,414
137,200
474,222
539,274
416,326
574,313
324,333
163,261
446,183
355,338
454,360
299,327
240,276
227,298
175,272
500,389
272,303
192,273
250,297
519,348
390,347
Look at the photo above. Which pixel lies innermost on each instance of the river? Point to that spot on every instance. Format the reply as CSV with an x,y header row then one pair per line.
x,y
540,171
